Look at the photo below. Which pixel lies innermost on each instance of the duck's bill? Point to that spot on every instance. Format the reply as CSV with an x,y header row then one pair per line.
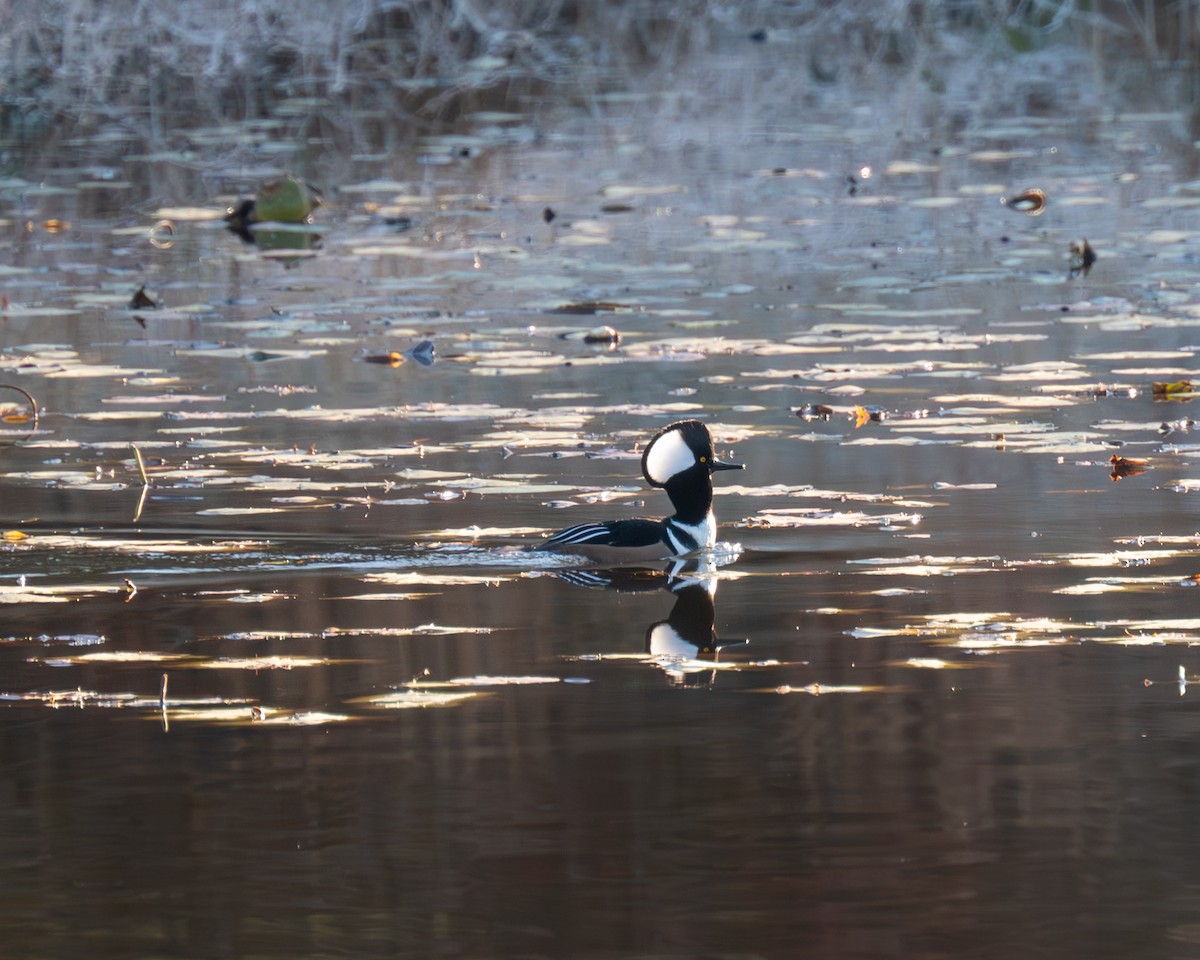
x,y
716,465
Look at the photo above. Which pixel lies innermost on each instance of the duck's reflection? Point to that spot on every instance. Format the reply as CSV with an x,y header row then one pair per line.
x,y
684,645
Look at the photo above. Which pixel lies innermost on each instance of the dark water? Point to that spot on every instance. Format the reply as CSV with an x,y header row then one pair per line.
x,y
927,731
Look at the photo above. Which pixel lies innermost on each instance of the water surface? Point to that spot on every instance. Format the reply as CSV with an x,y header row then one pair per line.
x,y
302,696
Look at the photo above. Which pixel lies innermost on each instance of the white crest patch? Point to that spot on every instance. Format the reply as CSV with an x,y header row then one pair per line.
x,y
668,455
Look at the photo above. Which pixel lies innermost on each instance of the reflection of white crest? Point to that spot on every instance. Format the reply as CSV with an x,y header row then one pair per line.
x,y
666,642
668,455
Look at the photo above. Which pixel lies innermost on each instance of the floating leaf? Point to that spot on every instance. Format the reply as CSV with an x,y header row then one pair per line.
x,y
1126,467
1179,388
410,699
783,518
591,307
114,656
819,689
266,663
416,578
424,630
625,192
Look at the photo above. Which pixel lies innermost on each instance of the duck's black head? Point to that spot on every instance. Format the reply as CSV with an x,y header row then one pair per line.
x,y
680,459
682,450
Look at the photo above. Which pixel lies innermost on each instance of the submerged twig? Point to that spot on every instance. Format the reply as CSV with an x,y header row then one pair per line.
x,y
27,395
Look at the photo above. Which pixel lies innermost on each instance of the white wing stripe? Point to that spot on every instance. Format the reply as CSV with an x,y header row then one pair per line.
x,y
580,533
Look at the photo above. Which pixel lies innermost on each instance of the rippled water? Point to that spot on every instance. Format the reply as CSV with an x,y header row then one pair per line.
x,y
301,695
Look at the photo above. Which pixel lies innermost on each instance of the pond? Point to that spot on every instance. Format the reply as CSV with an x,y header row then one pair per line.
x,y
281,680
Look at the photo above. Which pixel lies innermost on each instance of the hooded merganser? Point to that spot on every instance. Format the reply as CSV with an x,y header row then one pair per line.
x,y
679,459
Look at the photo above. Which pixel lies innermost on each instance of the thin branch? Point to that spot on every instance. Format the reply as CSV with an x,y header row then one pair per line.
x,y
141,465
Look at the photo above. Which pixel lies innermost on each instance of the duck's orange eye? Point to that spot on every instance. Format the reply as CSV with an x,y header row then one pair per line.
x,y
704,459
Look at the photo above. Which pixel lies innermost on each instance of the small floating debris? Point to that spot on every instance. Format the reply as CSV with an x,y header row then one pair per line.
x,y
1030,202
393,359
422,353
819,689
286,200
602,334
548,215
141,300
1100,392
1162,390
162,235
814,411
590,307
16,416
1183,425
864,415
1182,681
1126,467
1082,258
407,699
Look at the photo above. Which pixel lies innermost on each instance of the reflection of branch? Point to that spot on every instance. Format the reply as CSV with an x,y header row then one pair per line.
x,y
27,395
137,514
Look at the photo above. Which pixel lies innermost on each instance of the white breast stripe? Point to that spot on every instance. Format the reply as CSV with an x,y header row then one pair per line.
x,y
686,538
680,537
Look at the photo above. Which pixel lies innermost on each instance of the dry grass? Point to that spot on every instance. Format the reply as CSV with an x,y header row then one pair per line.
x,y
160,64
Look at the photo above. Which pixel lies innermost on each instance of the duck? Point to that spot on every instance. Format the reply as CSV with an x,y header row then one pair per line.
x,y
678,459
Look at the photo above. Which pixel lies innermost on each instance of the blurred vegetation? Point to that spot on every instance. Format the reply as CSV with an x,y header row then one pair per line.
x,y
80,64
